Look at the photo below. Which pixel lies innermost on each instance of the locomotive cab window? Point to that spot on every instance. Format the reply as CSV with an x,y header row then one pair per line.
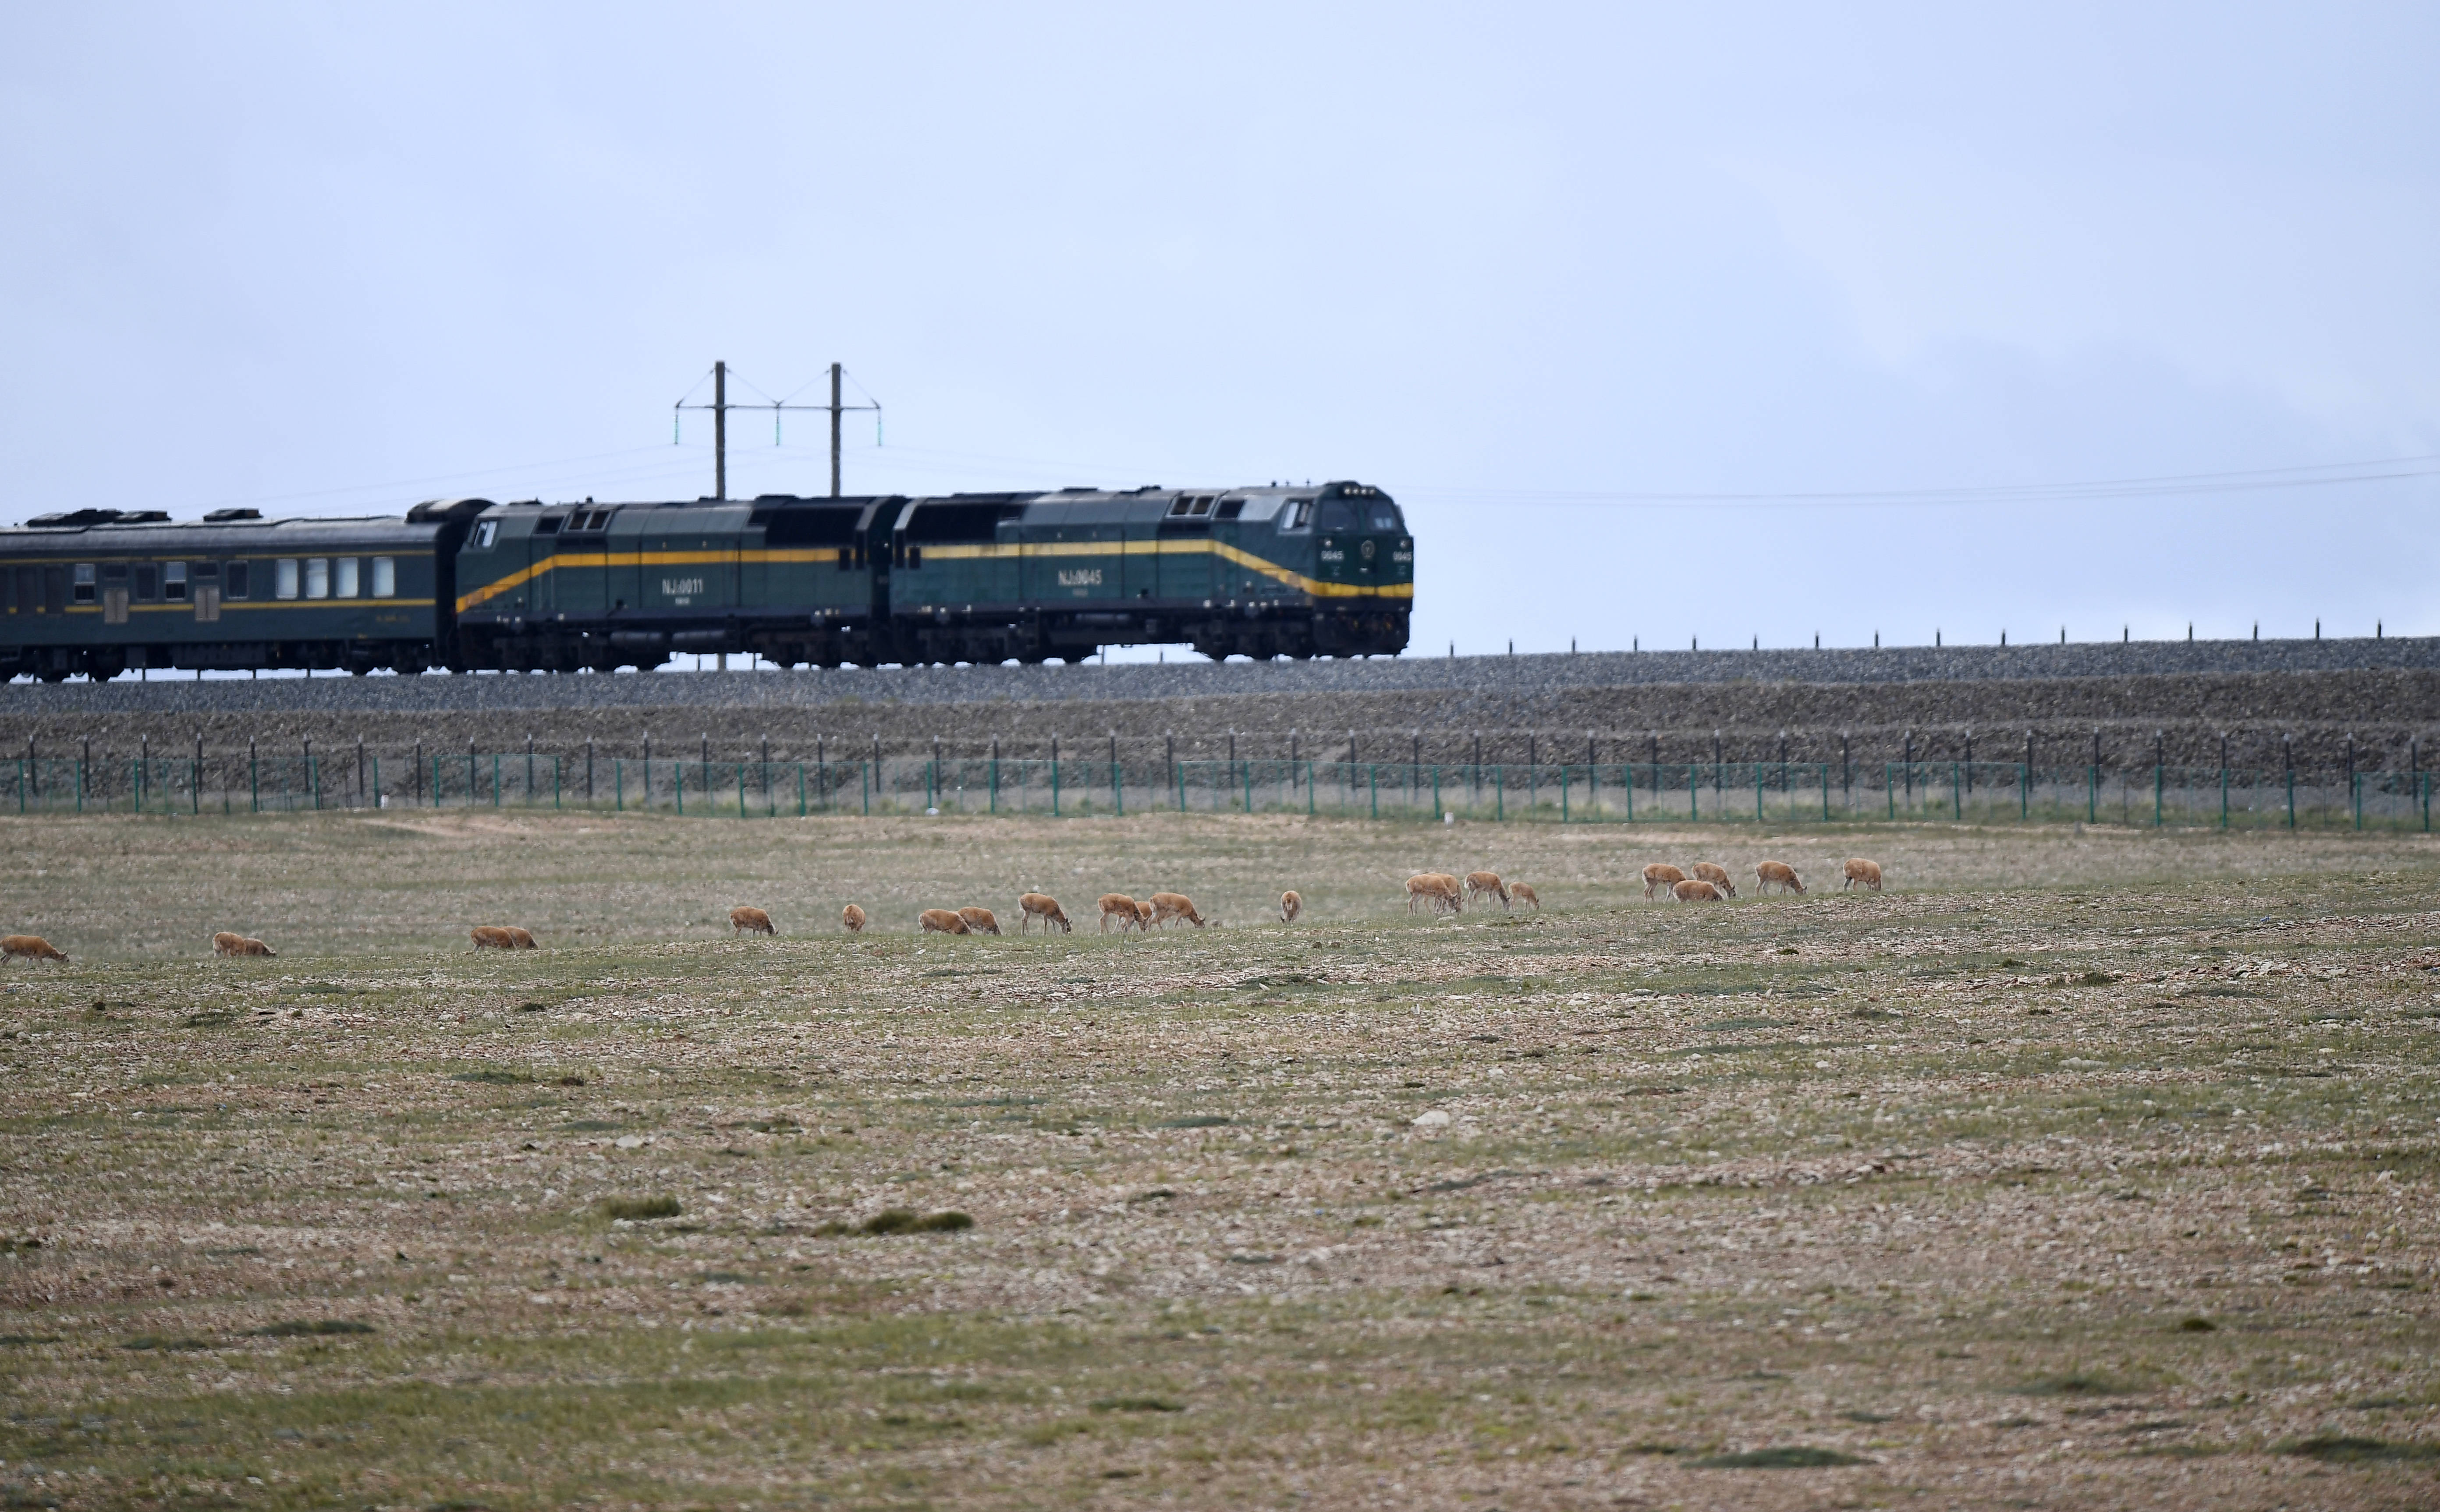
x,y
1385,516
1336,515
1298,515
485,533
283,578
384,577
173,581
84,582
344,577
236,581
548,525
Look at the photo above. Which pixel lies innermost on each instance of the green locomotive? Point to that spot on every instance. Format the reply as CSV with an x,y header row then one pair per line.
x,y
963,577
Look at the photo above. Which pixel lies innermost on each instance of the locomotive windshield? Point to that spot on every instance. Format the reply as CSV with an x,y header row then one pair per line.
x,y
1361,514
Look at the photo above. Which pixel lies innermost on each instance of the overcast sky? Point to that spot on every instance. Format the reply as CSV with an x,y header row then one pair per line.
x,y
1600,294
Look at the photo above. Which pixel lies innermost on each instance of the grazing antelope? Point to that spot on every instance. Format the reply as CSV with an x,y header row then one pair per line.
x,y
1661,877
1044,907
29,947
1859,870
1290,906
750,919
979,920
1694,890
1438,888
1772,874
492,938
226,943
941,921
522,936
1167,906
1143,916
1525,894
1121,907
852,918
1716,874
1478,883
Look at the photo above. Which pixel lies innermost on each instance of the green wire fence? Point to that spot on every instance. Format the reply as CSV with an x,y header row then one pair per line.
x,y
1768,793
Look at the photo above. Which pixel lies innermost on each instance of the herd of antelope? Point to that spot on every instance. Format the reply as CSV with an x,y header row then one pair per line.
x,y
1442,892
1711,882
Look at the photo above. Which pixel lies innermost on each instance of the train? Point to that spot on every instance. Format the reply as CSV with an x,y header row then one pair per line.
x,y
473,585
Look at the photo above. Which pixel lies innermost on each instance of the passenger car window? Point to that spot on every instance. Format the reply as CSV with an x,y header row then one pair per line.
x,y
146,580
236,581
343,582
283,578
384,577
173,581
85,582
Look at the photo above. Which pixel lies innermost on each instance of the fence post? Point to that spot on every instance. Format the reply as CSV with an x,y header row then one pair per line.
x,y
1436,790
1825,793
254,776
1179,773
1309,804
2291,797
2024,791
1563,792
1375,771
1054,778
2355,783
2160,783
677,781
1248,772
1957,794
619,784
801,790
1757,771
1889,790
741,790
2092,794
2223,795
864,776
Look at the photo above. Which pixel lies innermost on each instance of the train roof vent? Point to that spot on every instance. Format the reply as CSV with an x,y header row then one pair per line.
x,y
143,517
221,516
74,517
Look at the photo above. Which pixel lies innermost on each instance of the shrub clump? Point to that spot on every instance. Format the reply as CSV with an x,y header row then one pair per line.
x,y
299,1328
1794,1457
641,1207
1138,1404
906,1221
2346,1448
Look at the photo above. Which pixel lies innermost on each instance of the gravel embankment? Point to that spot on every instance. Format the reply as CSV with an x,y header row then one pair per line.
x,y
2267,698
1512,676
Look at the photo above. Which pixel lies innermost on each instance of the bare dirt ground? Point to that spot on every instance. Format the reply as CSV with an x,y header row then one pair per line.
x,y
2077,1169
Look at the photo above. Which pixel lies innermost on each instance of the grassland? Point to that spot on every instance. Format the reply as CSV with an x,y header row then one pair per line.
x,y
2086,1169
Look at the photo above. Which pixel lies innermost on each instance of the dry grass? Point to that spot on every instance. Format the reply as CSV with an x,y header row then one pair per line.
x,y
2090,1168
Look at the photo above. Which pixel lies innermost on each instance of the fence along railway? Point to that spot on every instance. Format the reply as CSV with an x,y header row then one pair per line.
x,y
1772,793
467,584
